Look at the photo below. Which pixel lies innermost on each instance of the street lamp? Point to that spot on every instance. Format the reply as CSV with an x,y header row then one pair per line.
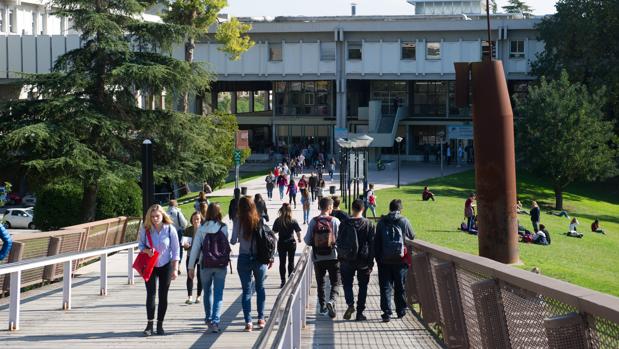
x,y
344,169
364,143
441,134
398,141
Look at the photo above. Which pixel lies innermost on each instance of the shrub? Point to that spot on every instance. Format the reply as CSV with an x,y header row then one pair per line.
x,y
58,205
118,198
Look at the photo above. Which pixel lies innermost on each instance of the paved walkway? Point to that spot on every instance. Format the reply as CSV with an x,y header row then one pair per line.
x,y
409,173
118,319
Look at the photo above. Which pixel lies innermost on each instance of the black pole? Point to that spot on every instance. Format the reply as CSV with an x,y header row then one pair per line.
x,y
348,179
398,164
148,183
356,174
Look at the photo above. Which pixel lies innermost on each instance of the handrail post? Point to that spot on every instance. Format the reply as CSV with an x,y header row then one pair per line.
x,y
66,286
130,273
297,321
103,275
15,301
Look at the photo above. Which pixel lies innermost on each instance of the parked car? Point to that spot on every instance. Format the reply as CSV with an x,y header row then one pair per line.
x,y
13,199
18,218
29,200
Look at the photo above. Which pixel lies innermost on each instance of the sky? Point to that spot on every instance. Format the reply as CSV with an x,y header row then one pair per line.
x,y
273,8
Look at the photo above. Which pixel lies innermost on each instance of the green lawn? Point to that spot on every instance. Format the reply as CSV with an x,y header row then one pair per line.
x,y
590,262
224,201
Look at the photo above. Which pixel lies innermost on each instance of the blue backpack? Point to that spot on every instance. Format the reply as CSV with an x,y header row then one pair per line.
x,y
392,241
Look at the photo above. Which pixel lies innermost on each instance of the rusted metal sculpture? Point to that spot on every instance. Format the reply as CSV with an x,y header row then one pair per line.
x,y
495,169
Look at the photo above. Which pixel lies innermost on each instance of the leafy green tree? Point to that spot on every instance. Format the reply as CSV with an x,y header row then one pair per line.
x,y
493,6
84,122
578,38
518,6
197,16
561,134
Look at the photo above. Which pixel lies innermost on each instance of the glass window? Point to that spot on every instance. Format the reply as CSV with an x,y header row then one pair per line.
x,y
275,52
430,98
516,49
322,85
309,98
280,86
408,50
433,50
354,50
392,95
484,48
309,86
327,51
12,26
296,86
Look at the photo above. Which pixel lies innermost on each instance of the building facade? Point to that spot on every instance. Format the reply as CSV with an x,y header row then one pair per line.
x,y
309,79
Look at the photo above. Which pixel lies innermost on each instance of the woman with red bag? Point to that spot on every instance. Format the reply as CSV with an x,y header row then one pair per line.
x,y
159,229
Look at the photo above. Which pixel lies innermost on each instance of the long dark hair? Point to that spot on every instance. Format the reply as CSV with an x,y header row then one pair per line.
x,y
213,213
285,215
248,216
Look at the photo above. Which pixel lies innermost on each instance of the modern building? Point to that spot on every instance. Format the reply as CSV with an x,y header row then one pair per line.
x,y
452,7
310,80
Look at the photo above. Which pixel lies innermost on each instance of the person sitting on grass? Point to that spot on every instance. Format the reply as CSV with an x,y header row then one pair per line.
x,y
572,229
427,194
595,227
562,213
541,237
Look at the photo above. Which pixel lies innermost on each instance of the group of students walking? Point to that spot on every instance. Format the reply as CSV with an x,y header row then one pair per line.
x,y
342,247
346,247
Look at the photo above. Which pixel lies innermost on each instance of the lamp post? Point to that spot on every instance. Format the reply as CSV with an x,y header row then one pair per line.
x,y
399,140
364,142
441,134
345,145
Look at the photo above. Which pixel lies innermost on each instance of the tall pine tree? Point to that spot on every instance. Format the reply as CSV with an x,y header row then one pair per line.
x,y
518,6
83,121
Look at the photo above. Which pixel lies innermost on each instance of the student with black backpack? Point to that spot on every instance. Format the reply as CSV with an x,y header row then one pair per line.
x,y
355,251
392,244
321,235
256,250
211,249
286,226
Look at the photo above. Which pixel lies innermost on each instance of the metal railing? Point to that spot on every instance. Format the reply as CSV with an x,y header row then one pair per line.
x,y
77,238
67,259
480,303
288,316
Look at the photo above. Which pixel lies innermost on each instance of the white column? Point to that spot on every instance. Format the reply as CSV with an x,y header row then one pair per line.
x,y
4,14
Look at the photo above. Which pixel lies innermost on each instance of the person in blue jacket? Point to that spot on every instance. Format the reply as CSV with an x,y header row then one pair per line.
x,y
7,242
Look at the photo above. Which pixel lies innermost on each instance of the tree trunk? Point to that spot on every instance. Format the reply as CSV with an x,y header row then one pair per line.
x,y
89,202
190,45
558,198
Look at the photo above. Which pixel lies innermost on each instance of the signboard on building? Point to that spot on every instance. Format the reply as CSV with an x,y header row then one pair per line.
x,y
460,132
242,139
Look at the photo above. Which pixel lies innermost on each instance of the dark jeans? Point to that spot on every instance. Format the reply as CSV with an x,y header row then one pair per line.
x,y
469,222
190,281
269,192
313,193
363,278
392,277
293,198
535,225
286,250
320,269
164,274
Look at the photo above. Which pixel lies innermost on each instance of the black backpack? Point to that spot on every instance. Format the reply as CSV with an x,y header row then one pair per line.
x,y
215,250
392,241
348,242
265,243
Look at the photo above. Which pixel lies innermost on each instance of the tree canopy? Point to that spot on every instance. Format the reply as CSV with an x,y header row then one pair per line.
x,y
83,120
561,134
582,38
518,6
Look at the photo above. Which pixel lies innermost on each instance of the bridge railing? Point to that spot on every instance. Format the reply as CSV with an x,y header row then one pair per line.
x,y
16,269
288,316
480,303
77,238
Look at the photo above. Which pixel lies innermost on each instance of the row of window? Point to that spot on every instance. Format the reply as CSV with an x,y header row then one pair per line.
x,y
8,22
408,50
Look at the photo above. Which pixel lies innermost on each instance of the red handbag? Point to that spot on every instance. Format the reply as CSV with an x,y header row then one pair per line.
x,y
144,263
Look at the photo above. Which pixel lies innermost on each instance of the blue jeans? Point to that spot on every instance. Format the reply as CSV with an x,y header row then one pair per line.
x,y
306,215
391,279
269,192
215,278
246,266
281,192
